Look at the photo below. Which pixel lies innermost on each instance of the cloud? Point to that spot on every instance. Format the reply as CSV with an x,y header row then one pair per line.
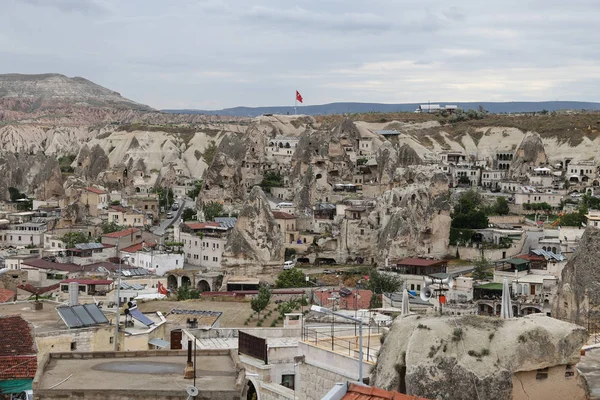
x,y
222,53
70,6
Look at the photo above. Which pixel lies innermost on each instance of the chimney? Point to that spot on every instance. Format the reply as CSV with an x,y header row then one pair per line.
x,y
188,372
73,294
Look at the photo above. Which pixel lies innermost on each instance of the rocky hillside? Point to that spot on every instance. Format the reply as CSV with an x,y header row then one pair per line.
x,y
578,294
470,357
28,93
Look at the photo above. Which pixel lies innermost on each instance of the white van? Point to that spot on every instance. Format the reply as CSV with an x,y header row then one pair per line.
x,y
289,265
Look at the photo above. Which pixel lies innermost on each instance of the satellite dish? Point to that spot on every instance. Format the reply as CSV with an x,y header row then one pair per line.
x,y
192,391
426,293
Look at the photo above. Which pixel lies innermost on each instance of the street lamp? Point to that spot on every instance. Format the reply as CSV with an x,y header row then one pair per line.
x,y
324,310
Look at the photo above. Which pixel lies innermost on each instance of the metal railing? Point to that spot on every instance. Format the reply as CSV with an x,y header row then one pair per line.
x,y
344,339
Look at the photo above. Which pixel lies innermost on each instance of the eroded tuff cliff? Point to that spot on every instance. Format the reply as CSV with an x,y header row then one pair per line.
x,y
530,153
432,358
35,174
578,295
255,245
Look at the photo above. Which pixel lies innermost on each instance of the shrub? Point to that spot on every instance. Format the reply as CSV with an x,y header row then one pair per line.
x,y
457,334
421,326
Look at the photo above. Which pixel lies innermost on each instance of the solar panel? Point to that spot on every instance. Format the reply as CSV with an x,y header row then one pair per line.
x,y
135,313
96,313
83,315
69,317
125,285
137,286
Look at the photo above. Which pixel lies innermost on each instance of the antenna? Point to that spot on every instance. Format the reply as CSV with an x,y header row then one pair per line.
x,y
192,391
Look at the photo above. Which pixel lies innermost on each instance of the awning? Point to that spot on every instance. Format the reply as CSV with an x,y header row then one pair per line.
x,y
15,385
159,343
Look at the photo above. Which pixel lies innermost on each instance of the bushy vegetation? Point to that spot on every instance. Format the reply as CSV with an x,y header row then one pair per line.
x,y
212,210
17,196
379,284
271,179
72,238
110,227
65,163
164,196
469,214
188,214
538,207
185,293
291,278
195,192
482,269
209,152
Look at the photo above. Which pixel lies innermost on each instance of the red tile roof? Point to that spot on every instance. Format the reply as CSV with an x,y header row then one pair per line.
x,y
95,190
358,392
202,225
118,208
17,349
531,257
43,264
350,302
88,281
41,290
283,215
122,233
419,262
6,295
137,247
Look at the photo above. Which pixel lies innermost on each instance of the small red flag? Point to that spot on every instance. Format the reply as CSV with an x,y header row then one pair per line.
x,y
162,289
298,96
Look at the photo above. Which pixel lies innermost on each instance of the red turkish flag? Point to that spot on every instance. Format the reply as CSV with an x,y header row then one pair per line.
x,y
162,289
298,96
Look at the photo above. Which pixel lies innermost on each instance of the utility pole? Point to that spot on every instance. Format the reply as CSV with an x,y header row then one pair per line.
x,y
118,301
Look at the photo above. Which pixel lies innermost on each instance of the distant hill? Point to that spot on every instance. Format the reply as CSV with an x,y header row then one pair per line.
x,y
28,93
341,108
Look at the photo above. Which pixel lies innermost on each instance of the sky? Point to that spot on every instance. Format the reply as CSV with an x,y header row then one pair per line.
x,y
212,54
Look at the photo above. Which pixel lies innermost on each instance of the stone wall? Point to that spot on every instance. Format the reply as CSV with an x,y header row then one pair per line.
x,y
474,253
269,391
84,340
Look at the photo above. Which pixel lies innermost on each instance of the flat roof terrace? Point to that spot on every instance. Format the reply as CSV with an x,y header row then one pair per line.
x,y
141,374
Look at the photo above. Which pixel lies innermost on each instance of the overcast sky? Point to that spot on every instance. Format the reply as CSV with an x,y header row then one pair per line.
x,y
211,54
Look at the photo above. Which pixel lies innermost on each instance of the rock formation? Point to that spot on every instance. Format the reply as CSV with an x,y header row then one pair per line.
x,y
578,295
50,90
530,153
255,245
91,162
471,357
37,175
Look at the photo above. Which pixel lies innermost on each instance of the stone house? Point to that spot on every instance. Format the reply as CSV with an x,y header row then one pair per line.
x,y
94,199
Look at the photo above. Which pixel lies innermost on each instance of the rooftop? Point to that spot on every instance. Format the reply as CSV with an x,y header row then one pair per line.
x,y
43,264
17,348
143,372
283,215
44,320
137,247
6,295
95,190
359,392
83,281
205,319
123,233
420,262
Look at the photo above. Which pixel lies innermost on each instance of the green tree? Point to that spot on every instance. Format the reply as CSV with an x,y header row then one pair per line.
x,y
163,196
72,238
195,192
261,301
380,283
212,210
186,293
501,206
110,227
188,214
463,180
375,301
482,268
271,179
290,278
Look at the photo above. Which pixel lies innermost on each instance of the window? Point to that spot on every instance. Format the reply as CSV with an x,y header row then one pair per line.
x,y
569,372
73,346
111,340
542,374
176,262
288,381
215,259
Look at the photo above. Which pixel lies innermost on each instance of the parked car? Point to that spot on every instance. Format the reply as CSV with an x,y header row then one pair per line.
x,y
169,215
289,265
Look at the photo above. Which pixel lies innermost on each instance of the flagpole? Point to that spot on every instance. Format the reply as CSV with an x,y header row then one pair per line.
x,y
295,104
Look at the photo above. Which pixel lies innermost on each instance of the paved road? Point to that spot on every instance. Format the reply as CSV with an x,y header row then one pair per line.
x,y
161,229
